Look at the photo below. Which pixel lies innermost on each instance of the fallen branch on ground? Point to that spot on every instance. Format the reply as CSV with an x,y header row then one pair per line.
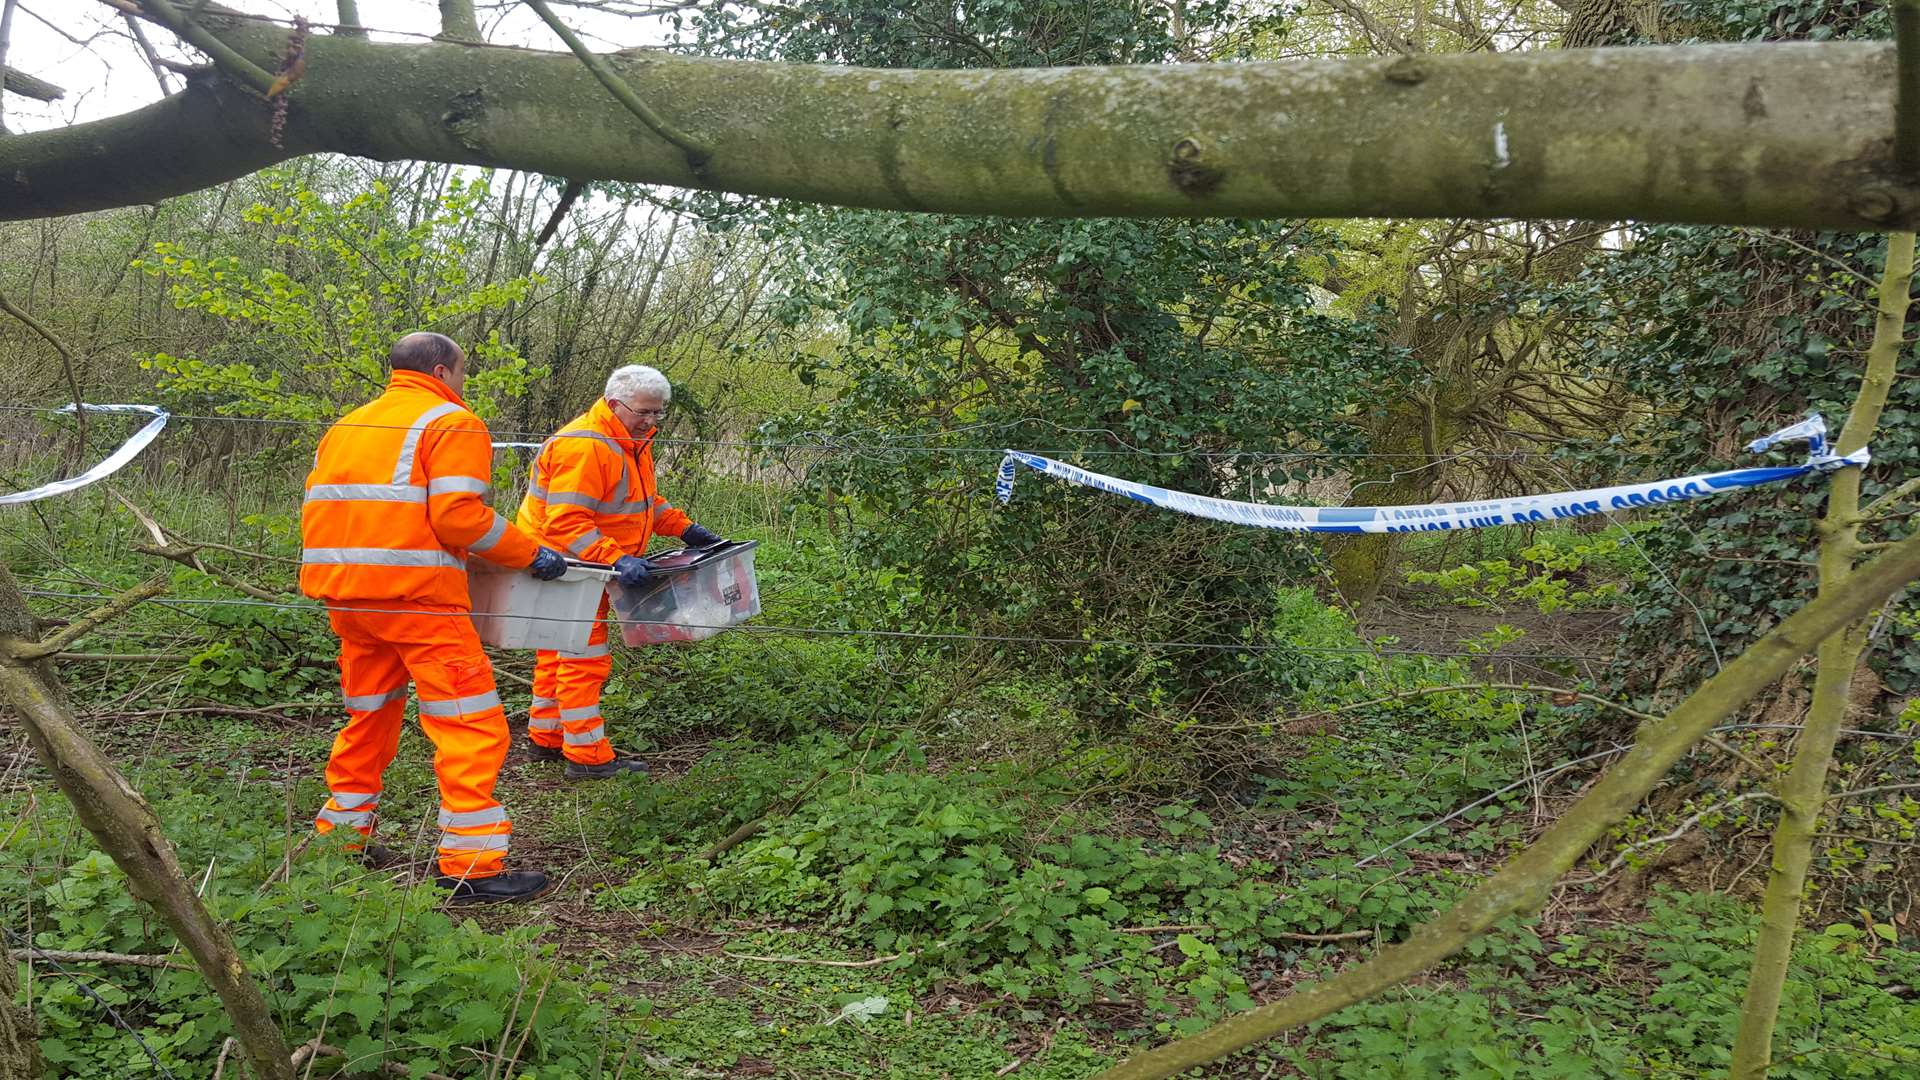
x,y
90,956
318,1049
873,962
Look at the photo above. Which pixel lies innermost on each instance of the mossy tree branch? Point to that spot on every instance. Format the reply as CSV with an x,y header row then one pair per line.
x,y
1805,788
1771,134
1524,882
28,651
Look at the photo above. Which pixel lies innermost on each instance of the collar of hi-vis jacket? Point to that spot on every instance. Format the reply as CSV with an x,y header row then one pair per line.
x,y
602,419
419,380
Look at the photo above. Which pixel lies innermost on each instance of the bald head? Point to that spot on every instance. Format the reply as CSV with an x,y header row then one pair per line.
x,y
430,354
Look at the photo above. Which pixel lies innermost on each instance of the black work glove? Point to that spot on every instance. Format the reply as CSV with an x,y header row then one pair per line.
x,y
698,536
548,564
632,569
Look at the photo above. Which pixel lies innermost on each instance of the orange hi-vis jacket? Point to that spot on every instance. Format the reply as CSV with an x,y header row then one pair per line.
x,y
395,502
593,493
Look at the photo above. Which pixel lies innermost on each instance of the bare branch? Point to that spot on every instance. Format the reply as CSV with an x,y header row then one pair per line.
x,y
66,363
87,956
224,55
697,152
19,82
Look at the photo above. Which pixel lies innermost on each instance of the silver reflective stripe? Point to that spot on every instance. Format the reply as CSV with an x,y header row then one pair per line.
x,y
572,498
380,557
374,702
545,702
467,819
623,507
461,706
353,800
537,492
492,537
543,723
410,444
585,541
402,493
456,842
584,712
448,485
591,652
353,818
585,738
662,504
626,480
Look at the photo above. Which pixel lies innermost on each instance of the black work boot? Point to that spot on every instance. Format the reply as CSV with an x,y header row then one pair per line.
x,y
380,857
619,766
505,887
544,754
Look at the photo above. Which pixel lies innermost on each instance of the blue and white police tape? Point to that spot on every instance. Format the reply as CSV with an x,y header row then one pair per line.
x,y
1460,515
109,465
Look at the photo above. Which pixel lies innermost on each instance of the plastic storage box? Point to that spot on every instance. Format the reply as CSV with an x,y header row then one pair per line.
x,y
698,593
514,610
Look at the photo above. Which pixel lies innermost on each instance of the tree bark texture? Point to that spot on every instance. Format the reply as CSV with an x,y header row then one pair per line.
x,y
457,22
126,829
1772,134
1524,882
1805,788
19,1054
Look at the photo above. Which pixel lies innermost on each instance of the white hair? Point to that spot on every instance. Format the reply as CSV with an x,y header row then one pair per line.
x,y
636,380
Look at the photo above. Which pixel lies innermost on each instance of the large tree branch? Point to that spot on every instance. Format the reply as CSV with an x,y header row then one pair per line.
x,y
1777,134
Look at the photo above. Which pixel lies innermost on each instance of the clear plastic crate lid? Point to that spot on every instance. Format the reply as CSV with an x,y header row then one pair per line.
x,y
694,594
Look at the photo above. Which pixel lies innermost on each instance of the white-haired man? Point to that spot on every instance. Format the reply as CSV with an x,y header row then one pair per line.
x,y
593,496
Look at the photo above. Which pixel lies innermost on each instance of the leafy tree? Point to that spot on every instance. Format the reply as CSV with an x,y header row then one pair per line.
x,y
310,318
1190,354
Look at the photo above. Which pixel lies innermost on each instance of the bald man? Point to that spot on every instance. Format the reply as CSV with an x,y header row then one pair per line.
x,y
394,506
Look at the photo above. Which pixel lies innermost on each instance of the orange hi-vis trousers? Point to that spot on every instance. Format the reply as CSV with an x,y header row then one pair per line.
x,y
566,697
437,650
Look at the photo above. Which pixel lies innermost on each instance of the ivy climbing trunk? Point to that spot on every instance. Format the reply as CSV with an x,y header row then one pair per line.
x,y
1524,883
124,825
1805,788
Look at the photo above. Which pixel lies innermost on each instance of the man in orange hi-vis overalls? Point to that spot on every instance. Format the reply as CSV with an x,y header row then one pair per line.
x,y
394,505
593,495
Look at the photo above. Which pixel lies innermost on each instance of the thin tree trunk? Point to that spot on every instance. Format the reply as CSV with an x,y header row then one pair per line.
x,y
126,829
349,15
457,22
1805,787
